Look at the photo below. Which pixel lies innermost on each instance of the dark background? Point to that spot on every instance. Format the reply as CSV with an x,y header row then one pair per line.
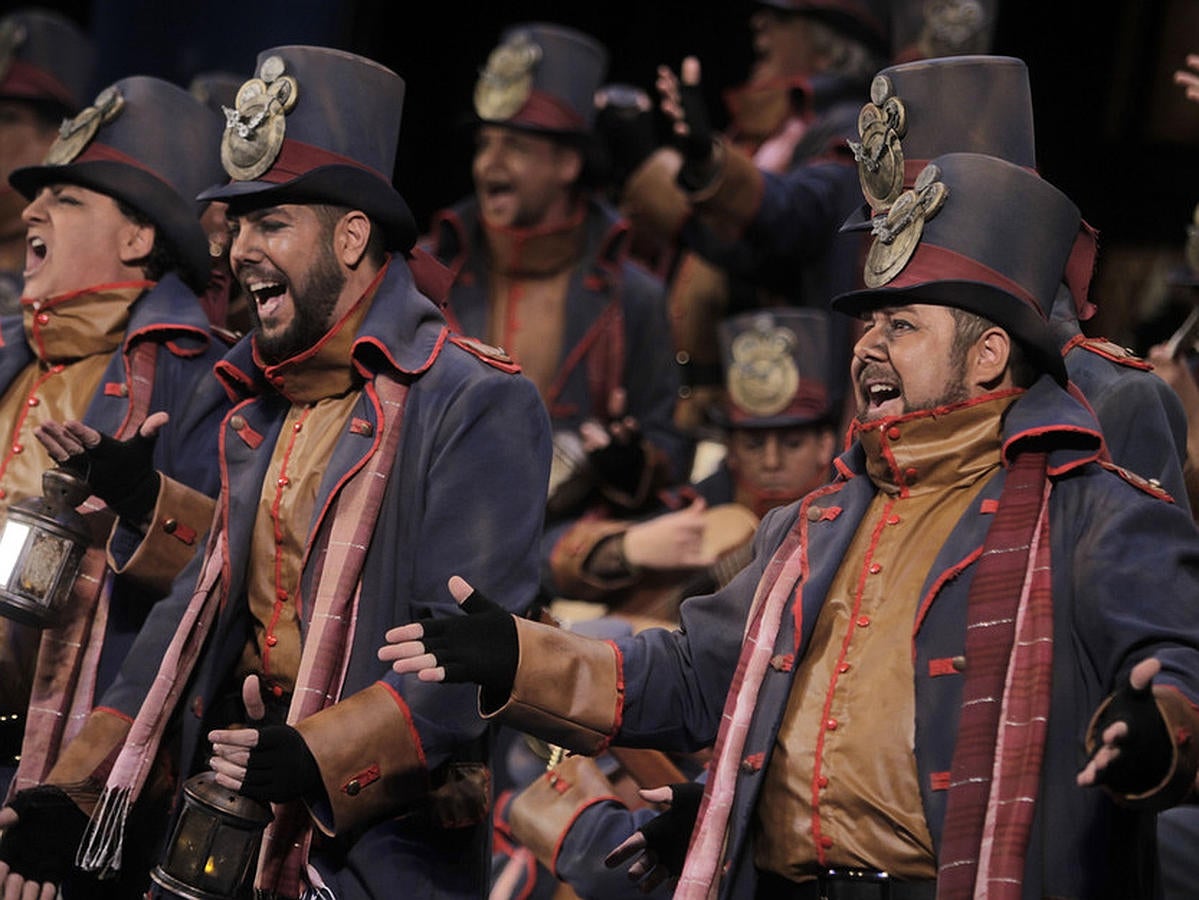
x,y
1113,131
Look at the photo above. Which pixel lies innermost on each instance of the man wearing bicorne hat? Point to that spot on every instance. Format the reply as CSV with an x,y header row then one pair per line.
x,y
967,666
370,453
46,68
111,339
541,267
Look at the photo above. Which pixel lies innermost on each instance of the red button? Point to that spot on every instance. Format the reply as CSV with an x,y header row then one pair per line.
x,y
893,433
277,690
41,318
863,621
271,640
281,595
298,426
58,368
910,473
17,448
283,482
826,841
831,724
875,568
843,668
822,781
32,401
893,519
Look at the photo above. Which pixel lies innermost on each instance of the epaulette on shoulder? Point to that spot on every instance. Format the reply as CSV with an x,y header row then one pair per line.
x,y
1111,350
493,356
1150,486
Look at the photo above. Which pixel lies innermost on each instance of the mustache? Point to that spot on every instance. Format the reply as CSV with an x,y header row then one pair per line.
x,y
249,272
877,372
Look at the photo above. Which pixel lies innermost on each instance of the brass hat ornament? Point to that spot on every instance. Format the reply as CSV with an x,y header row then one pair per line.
x,y
762,376
897,232
879,154
506,81
76,133
254,131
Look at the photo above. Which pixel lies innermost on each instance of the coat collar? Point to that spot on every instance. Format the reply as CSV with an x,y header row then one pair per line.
x,y
402,332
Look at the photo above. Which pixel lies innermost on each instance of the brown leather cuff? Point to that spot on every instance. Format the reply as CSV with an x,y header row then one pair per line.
x,y
180,520
652,200
567,689
370,758
732,199
573,555
1182,721
542,814
89,757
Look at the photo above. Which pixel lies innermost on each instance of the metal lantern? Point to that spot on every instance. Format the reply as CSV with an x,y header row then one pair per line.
x,y
41,546
212,853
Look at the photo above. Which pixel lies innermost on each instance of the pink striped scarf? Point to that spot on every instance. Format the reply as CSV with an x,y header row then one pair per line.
x,y
322,667
781,580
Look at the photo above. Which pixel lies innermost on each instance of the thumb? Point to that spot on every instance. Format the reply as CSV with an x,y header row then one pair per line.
x,y
460,589
251,697
690,71
153,424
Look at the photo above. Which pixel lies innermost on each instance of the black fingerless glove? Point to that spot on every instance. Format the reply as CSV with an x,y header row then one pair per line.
x,y
625,125
121,473
281,767
480,647
41,847
668,834
1146,751
620,466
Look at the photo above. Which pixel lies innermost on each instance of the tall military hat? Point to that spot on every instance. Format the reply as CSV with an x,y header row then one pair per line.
x,y
318,125
981,234
776,369
954,104
542,77
868,21
927,29
148,143
45,57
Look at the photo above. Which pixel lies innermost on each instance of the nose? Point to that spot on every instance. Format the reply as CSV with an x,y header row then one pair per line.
x,y
34,211
870,346
242,247
772,457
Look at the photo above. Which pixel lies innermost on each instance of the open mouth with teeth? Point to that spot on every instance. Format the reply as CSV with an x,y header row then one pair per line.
x,y
268,296
883,398
35,255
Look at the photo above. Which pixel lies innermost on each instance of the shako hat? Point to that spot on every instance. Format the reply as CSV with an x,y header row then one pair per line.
x,y
776,369
954,104
981,234
867,21
147,143
45,57
542,77
318,125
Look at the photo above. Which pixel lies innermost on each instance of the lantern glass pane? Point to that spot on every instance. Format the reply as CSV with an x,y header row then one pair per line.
x,y
12,539
40,572
190,848
228,858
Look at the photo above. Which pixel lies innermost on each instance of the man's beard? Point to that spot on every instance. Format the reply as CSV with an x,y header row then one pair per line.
x,y
314,301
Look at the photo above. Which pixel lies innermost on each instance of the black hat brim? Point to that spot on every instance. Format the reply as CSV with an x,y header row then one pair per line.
x,y
1004,309
177,218
336,184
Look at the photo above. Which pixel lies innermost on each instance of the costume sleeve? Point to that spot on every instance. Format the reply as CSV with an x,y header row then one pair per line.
x,y
1135,580
181,518
574,554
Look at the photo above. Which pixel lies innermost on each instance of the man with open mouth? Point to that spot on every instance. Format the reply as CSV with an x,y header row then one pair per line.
x,y
111,344
369,454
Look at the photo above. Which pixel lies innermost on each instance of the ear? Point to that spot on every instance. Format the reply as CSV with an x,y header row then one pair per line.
x,y
351,236
136,242
570,164
988,359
